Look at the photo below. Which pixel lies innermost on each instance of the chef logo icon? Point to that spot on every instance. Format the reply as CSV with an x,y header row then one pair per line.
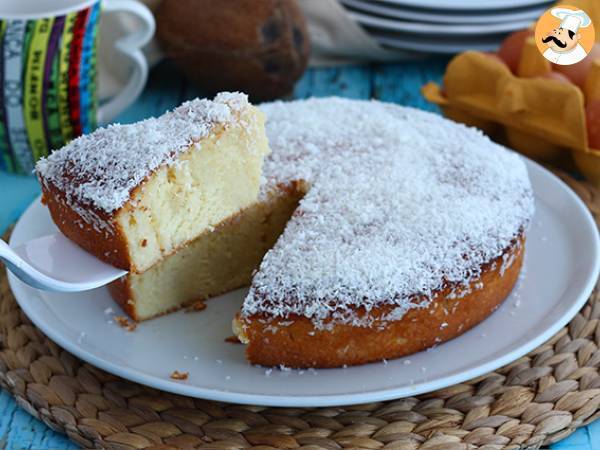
x,y
564,35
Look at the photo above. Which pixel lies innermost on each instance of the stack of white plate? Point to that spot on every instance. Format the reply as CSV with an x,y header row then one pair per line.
x,y
443,26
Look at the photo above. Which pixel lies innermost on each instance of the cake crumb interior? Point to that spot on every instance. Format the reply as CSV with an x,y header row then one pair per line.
x,y
218,261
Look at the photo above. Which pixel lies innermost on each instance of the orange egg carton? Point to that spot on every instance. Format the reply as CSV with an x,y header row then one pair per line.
x,y
539,117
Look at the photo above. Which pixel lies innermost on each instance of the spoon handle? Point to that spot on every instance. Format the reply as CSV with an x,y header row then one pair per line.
x,y
54,263
22,270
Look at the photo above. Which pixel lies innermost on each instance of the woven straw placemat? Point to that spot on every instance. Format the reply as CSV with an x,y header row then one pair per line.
x,y
539,399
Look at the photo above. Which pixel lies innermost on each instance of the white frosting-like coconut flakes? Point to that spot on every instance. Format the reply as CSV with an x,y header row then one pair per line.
x,y
401,203
102,168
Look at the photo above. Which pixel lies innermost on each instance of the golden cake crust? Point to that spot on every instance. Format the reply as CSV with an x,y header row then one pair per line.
x,y
107,243
295,342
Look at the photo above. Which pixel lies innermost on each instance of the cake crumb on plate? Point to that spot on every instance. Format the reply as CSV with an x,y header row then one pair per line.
x,y
177,375
233,340
124,322
196,306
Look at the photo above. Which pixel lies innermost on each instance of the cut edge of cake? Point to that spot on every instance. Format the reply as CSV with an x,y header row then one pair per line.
x,y
216,262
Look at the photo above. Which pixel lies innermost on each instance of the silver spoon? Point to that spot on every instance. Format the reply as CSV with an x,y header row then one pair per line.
x,y
54,263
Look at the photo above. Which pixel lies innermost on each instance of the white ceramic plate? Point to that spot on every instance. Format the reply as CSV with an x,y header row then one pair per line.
x,y
466,4
404,42
445,16
561,267
438,28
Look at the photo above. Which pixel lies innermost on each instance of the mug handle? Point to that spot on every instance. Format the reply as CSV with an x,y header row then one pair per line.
x,y
130,46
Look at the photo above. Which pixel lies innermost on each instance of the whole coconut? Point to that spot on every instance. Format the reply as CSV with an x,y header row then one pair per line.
x,y
256,46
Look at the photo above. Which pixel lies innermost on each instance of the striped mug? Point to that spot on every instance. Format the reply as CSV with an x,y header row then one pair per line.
x,y
48,73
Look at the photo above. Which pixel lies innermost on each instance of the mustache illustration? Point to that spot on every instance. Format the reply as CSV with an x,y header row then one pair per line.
x,y
556,41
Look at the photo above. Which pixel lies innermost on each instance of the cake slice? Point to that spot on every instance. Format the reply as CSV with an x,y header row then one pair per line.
x,y
133,194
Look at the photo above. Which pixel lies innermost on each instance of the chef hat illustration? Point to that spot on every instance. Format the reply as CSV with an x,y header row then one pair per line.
x,y
571,20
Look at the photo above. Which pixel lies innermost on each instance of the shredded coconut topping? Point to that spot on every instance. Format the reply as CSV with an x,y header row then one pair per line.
x,y
102,168
400,204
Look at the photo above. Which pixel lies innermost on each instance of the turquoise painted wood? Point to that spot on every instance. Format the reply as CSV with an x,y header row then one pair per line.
x,y
398,83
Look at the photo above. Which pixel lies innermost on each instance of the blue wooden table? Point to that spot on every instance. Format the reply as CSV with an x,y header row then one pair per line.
x,y
398,83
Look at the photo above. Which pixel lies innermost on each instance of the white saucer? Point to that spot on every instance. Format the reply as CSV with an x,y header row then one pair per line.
x,y
428,44
476,30
561,267
445,16
466,4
